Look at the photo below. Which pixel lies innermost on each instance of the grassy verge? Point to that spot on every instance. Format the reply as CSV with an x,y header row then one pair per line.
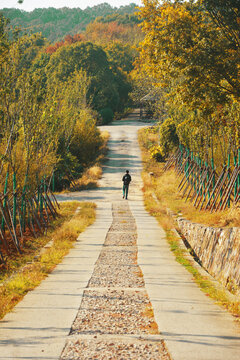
x,y
159,194
90,177
23,273
165,188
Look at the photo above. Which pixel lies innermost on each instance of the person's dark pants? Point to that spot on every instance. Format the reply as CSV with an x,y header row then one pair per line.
x,y
125,191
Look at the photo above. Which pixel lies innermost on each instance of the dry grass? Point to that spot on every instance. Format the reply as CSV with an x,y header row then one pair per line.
x,y
89,179
159,194
63,233
167,193
95,172
164,185
152,326
105,136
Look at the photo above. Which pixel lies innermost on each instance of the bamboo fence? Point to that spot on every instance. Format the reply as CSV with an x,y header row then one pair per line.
x,y
25,212
202,184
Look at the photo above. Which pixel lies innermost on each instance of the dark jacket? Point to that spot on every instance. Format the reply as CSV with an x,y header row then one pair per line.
x,y
126,179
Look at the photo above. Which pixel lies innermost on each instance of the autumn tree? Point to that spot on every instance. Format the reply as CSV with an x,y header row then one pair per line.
x,y
103,91
122,55
41,117
28,141
190,58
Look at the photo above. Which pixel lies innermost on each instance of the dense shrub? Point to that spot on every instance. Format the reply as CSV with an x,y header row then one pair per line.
x,y
107,115
168,136
86,140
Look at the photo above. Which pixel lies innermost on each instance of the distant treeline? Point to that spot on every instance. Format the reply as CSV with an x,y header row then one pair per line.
x,y
55,24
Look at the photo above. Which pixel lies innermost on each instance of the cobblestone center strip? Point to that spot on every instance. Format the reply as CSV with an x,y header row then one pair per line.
x,y
115,319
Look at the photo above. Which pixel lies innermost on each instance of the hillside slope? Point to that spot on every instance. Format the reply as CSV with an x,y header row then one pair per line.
x,y
55,24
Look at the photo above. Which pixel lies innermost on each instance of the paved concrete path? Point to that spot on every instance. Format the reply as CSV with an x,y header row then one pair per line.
x,y
191,324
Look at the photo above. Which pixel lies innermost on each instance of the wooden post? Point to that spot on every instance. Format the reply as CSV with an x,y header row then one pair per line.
x,y
216,190
203,194
230,187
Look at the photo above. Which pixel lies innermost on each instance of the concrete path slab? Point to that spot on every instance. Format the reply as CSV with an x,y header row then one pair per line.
x,y
191,324
38,326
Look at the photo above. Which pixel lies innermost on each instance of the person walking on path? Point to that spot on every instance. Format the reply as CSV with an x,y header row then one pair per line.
x,y
126,181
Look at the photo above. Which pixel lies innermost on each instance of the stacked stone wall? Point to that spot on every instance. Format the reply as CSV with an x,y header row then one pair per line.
x,y
218,250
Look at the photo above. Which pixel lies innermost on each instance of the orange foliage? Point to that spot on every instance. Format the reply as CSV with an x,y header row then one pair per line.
x,y
98,32
69,39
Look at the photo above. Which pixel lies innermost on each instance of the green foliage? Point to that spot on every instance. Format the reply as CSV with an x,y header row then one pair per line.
x,y
168,136
51,98
66,170
157,153
106,115
45,123
3,35
122,55
121,19
86,140
107,87
226,15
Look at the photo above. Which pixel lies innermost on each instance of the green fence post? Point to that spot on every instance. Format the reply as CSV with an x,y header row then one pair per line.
x,y
44,184
191,180
213,179
23,204
53,182
206,164
236,182
14,200
199,175
5,202
23,210
181,157
229,158
221,193
238,165
40,195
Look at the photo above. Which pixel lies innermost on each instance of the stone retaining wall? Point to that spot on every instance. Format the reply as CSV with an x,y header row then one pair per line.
x,y
218,250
